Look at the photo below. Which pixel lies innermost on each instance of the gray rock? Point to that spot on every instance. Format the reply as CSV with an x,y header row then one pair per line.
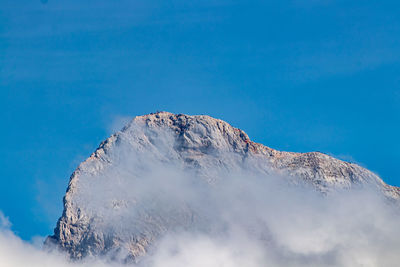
x,y
108,211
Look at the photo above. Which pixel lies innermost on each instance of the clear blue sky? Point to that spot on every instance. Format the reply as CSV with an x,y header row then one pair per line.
x,y
300,75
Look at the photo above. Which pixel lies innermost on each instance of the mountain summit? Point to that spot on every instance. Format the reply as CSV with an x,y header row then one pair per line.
x,y
123,198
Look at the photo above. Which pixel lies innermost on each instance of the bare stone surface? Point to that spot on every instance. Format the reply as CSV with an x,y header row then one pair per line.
x,y
94,214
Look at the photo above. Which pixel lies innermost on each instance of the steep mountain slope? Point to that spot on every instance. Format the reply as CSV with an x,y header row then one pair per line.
x,y
118,201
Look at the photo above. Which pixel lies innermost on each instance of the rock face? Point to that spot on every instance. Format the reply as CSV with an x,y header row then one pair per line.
x,y
105,191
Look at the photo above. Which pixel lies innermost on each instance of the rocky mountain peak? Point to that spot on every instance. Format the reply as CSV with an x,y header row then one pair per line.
x,y
106,211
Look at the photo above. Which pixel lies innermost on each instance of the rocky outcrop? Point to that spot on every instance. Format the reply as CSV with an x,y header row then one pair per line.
x,y
105,191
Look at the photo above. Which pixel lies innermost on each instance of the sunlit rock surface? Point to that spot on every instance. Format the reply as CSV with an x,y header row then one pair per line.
x,y
122,199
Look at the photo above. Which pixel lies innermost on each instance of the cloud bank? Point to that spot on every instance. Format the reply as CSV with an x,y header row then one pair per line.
x,y
279,228
242,219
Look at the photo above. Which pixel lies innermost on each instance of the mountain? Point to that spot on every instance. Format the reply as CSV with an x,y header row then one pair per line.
x,y
123,198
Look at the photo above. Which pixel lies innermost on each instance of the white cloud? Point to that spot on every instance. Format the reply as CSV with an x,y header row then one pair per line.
x,y
245,219
285,228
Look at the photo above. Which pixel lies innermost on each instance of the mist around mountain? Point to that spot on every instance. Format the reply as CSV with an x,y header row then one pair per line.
x,y
177,190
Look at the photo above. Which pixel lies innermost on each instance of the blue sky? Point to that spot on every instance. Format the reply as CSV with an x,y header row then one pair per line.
x,y
295,75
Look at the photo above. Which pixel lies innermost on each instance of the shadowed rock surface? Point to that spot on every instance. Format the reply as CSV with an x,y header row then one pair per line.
x,y
107,210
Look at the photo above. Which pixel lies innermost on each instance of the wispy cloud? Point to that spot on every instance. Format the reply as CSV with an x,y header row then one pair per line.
x,y
241,219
